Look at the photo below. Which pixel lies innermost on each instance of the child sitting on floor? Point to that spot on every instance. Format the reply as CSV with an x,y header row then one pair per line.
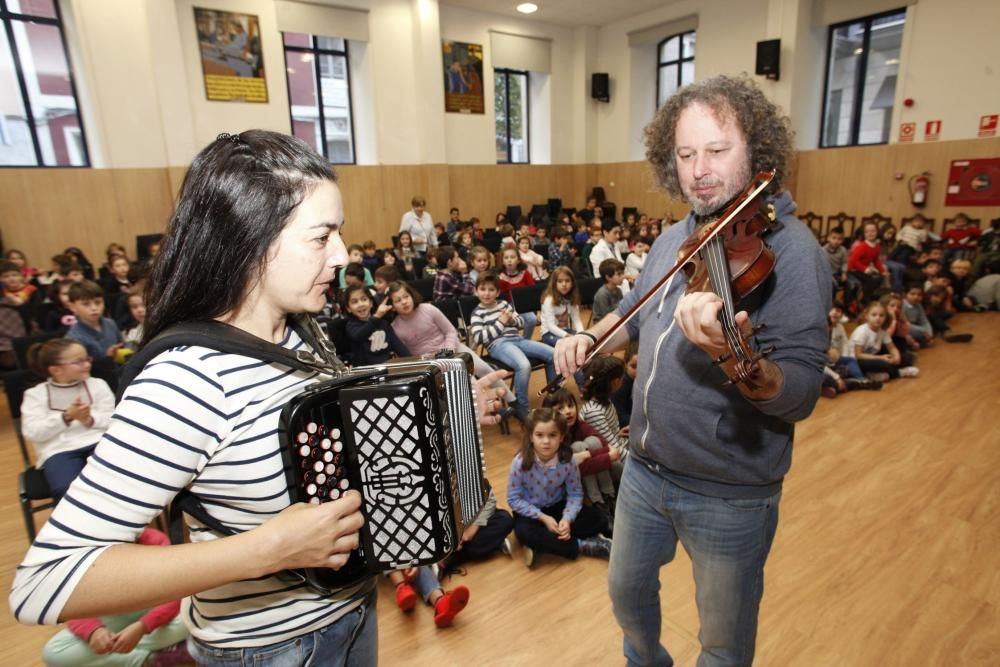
x,y
544,491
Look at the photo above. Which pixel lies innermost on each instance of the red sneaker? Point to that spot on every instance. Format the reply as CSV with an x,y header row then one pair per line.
x,y
406,597
449,605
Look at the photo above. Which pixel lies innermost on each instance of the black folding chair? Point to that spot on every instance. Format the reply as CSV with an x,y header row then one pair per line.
x,y
491,240
513,215
32,488
453,311
424,287
588,289
528,299
22,344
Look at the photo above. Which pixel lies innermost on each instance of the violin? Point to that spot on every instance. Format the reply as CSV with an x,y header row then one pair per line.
x,y
725,255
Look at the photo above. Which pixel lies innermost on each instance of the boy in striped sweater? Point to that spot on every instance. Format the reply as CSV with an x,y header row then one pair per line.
x,y
496,326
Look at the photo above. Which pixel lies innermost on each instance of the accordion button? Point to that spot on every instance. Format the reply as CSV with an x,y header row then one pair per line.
x,y
334,494
330,468
327,456
304,450
335,433
337,446
318,466
325,443
321,479
311,489
302,437
314,501
343,484
311,427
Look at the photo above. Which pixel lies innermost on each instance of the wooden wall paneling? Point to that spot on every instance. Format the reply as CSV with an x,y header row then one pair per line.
x,y
145,203
175,175
861,180
364,212
44,211
635,185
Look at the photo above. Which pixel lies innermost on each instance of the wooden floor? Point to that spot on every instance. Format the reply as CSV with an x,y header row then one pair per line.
x,y
886,554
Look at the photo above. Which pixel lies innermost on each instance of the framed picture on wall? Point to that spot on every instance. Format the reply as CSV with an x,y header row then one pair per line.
x,y
463,77
232,63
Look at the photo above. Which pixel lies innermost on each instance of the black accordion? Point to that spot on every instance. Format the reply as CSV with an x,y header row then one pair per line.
x,y
406,435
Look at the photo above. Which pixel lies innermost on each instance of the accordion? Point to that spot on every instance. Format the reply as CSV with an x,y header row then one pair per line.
x,y
405,435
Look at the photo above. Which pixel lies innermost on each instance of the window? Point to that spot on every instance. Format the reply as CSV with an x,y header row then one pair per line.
x,y
862,66
511,104
39,116
675,56
321,112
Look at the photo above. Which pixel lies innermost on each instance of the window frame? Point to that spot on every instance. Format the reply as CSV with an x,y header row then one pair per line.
x,y
506,72
6,18
316,52
681,59
859,78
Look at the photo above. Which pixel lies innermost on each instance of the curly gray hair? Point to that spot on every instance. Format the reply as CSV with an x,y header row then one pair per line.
x,y
767,130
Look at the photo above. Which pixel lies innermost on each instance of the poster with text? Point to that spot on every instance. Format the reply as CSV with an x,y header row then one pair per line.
x,y
463,77
231,60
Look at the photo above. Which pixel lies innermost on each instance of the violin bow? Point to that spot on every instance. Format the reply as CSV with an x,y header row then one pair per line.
x,y
756,185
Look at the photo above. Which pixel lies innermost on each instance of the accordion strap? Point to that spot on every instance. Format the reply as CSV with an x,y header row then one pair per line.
x,y
224,337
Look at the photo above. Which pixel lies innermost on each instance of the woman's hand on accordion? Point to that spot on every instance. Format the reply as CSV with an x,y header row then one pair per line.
x,y
490,399
305,535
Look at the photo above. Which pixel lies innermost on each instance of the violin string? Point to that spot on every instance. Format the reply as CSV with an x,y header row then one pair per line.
x,y
718,271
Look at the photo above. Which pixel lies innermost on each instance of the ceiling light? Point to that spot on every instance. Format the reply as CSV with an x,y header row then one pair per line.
x,y
527,8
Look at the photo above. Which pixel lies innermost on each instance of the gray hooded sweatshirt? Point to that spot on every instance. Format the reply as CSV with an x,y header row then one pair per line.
x,y
702,436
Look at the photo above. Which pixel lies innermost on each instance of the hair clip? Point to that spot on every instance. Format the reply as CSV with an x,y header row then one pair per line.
x,y
232,138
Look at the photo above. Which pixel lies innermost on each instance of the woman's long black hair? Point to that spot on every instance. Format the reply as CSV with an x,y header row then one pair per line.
x,y
236,198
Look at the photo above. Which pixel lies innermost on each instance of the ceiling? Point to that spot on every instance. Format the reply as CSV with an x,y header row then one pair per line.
x,y
565,12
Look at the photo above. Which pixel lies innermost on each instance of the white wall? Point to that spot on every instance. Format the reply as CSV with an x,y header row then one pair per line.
x,y
470,138
727,38
950,66
143,101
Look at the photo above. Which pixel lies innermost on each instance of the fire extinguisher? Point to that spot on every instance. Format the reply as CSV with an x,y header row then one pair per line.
x,y
918,189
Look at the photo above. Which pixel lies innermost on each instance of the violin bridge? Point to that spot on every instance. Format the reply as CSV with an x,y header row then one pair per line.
x,y
771,214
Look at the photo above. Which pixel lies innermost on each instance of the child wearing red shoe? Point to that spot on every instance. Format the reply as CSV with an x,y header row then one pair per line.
x,y
152,638
421,580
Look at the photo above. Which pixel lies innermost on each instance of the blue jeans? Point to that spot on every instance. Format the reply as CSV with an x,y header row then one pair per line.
x,y
351,641
728,541
61,469
530,320
848,367
551,340
518,353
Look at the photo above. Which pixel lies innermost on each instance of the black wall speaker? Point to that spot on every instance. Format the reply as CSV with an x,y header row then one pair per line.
x,y
768,58
599,87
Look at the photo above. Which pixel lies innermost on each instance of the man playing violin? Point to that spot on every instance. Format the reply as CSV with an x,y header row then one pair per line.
x,y
707,461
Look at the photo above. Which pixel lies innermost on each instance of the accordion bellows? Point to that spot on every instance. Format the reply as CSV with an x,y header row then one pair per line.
x,y
407,437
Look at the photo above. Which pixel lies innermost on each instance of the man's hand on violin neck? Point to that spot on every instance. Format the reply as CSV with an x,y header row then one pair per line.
x,y
697,315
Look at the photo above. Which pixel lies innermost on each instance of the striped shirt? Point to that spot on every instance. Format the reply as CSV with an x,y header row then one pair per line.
x,y
197,418
604,419
487,328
